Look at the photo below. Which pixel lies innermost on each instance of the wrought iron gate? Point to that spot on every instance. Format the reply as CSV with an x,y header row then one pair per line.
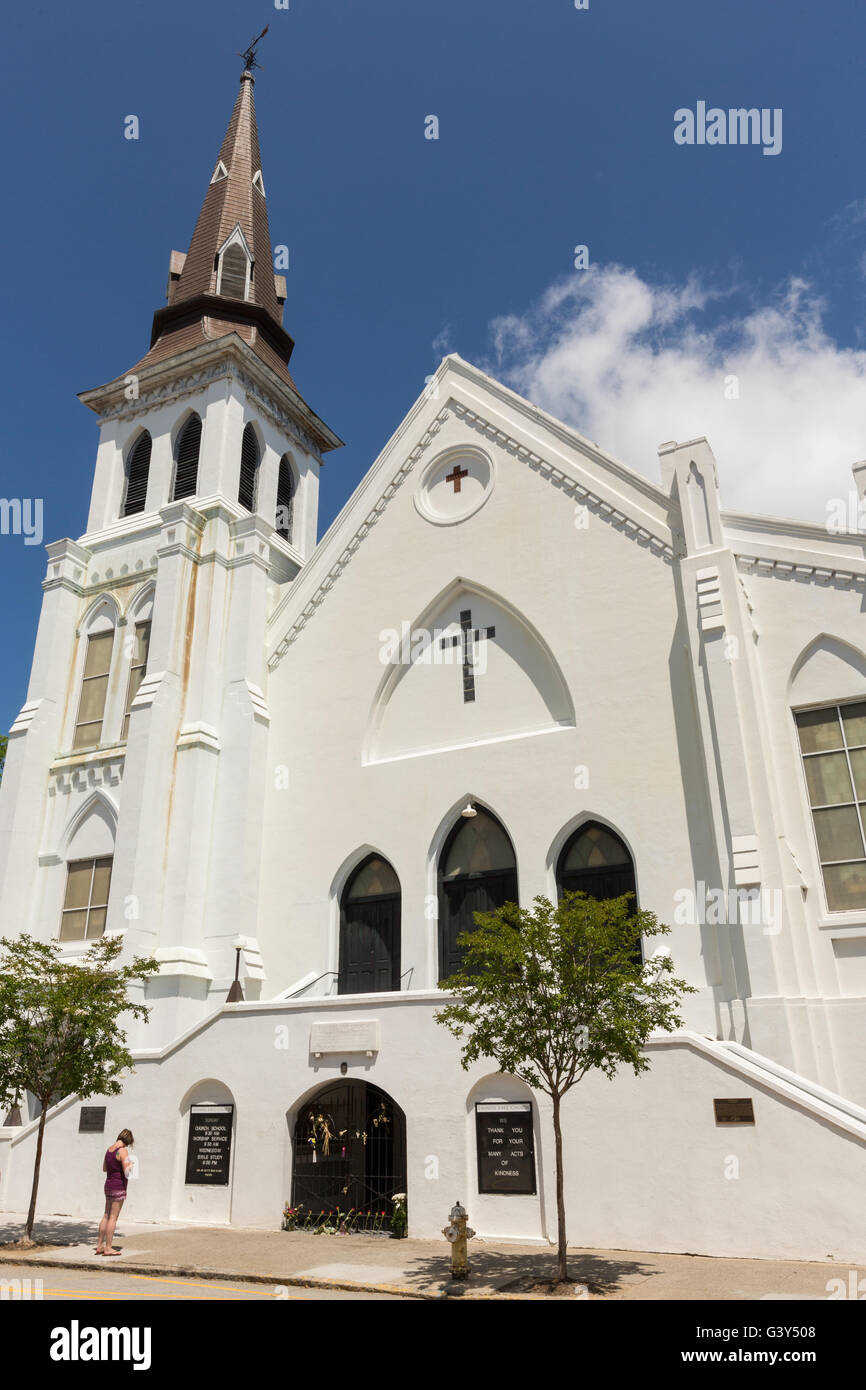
x,y
349,1154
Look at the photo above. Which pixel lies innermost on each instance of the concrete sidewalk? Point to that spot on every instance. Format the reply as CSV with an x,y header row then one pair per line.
x,y
413,1268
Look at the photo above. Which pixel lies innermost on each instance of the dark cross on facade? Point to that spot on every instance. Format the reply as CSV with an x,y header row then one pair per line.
x,y
467,639
456,475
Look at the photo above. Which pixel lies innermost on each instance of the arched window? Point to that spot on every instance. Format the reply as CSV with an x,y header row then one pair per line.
x,y
233,272
285,499
137,471
94,688
249,469
370,929
477,873
595,861
186,459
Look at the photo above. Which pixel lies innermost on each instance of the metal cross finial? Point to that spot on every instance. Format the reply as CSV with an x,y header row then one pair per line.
x,y
249,53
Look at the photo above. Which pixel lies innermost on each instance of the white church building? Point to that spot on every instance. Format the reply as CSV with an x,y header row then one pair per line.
x,y
510,667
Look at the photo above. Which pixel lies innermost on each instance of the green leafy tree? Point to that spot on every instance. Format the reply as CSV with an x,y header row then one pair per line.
x,y
553,993
59,1025
4,742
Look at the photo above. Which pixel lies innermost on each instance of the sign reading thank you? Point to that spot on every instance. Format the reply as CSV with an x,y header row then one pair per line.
x,y
506,1161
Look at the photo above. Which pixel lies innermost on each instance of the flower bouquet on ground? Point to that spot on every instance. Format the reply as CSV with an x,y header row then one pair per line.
x,y
399,1216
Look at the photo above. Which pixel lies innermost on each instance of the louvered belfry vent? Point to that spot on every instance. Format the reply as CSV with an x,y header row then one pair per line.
x,y
233,275
137,470
249,469
186,465
285,499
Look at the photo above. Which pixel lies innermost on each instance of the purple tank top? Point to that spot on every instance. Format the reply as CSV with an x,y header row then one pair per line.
x,y
114,1174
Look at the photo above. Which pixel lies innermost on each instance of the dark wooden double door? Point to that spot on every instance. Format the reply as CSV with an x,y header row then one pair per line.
x,y
459,899
370,944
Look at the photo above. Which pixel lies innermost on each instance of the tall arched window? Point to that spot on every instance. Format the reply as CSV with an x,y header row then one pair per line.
x,y
233,272
137,472
370,929
186,459
285,499
249,469
595,861
477,873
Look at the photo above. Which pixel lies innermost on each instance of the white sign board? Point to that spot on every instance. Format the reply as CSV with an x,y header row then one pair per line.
x,y
352,1035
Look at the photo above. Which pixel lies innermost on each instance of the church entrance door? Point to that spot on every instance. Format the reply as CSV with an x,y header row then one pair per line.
x,y
349,1155
370,929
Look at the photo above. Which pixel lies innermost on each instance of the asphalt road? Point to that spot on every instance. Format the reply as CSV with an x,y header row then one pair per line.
x,y
76,1285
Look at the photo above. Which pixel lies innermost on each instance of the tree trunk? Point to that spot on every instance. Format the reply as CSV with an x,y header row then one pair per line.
x,y
31,1215
562,1256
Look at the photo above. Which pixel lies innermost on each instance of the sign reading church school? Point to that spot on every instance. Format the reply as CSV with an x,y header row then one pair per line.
x,y
210,1144
506,1161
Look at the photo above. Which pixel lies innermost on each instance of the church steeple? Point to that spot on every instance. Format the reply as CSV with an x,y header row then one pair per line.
x,y
235,203
225,284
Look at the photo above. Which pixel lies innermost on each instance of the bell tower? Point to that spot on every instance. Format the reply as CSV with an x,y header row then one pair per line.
x,y
141,750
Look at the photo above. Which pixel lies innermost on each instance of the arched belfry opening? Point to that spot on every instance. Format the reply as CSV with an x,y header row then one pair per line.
x,y
349,1154
370,929
477,873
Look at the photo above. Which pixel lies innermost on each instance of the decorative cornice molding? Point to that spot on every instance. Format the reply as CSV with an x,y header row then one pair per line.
x,y
658,544
556,476
362,531
236,362
829,573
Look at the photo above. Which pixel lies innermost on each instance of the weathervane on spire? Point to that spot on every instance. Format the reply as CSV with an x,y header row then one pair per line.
x,y
249,54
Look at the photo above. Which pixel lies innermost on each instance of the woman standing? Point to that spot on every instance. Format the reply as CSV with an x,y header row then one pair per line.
x,y
117,1166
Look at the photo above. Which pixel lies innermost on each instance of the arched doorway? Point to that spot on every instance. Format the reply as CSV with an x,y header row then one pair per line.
x,y
370,929
595,861
349,1151
477,873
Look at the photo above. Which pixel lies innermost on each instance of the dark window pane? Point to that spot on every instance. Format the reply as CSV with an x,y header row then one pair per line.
x,y
376,876
854,719
72,926
596,848
78,881
98,656
846,886
480,846
828,779
819,730
838,834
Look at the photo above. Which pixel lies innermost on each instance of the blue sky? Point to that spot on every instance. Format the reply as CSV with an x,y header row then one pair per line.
x,y
556,129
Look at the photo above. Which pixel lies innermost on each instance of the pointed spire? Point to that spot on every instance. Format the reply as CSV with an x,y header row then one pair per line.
x,y
235,199
225,284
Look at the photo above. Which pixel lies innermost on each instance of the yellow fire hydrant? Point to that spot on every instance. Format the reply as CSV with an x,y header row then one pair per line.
x,y
458,1233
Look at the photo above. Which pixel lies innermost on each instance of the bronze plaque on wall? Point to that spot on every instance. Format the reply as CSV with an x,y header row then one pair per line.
x,y
92,1119
734,1112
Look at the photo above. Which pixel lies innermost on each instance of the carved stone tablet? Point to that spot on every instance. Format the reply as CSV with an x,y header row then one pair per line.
x,y
348,1035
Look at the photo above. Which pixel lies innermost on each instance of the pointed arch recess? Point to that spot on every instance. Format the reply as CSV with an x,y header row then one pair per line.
x,y
828,669
544,673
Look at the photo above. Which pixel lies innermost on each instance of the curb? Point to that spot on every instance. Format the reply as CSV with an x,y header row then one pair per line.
x,y
287,1281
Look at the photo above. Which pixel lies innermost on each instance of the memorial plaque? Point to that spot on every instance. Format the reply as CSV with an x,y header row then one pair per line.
x,y
506,1159
210,1145
92,1119
346,1035
734,1112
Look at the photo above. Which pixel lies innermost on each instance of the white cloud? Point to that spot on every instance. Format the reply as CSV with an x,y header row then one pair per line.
x,y
631,365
